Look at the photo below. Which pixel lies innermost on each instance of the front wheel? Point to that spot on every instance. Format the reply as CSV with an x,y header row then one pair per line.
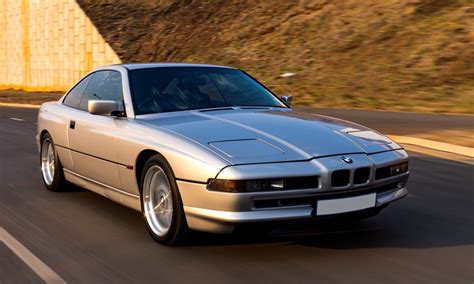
x,y
161,203
51,169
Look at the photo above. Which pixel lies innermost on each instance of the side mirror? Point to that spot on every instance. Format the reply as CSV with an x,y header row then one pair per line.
x,y
287,99
99,107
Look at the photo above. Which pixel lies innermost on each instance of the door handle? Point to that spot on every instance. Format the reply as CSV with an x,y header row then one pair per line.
x,y
72,124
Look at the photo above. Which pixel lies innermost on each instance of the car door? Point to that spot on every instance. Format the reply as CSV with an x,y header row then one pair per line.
x,y
71,101
92,138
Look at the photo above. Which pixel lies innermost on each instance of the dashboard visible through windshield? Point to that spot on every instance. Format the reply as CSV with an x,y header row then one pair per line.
x,y
165,89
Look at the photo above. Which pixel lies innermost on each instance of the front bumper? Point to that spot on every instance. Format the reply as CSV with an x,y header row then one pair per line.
x,y
219,211
223,221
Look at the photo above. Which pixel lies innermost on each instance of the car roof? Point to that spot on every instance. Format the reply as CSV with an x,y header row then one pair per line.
x,y
133,66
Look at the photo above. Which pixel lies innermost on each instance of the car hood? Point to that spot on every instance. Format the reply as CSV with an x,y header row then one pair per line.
x,y
243,136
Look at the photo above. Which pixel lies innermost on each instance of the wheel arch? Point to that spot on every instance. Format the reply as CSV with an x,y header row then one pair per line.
x,y
43,133
140,162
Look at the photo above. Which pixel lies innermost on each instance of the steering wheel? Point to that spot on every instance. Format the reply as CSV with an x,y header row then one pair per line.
x,y
145,104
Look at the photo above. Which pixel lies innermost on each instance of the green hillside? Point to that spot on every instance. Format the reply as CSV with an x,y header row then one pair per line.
x,y
410,55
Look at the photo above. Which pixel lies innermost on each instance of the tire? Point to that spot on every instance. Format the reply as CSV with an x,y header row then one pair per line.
x,y
51,168
161,203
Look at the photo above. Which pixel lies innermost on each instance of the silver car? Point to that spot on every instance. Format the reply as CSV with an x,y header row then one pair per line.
x,y
206,147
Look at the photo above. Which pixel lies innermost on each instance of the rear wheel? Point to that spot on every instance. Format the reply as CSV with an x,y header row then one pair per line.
x,y
161,203
51,169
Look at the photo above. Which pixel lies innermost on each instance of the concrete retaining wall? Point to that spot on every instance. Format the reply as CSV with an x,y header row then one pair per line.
x,y
47,45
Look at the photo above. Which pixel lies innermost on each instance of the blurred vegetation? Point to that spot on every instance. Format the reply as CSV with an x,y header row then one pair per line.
x,y
23,97
408,55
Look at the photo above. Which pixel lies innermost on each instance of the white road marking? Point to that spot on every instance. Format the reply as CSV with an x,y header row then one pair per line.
x,y
39,267
19,105
17,119
434,145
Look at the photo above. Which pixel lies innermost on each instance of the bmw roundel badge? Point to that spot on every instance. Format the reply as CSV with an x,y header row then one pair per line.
x,y
346,159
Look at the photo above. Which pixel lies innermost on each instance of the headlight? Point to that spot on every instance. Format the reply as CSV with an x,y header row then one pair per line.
x,y
263,184
390,171
398,169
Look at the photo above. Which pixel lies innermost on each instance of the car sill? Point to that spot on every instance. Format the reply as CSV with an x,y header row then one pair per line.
x,y
102,184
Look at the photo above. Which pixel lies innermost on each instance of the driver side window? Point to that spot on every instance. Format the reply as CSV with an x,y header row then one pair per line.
x,y
73,98
104,85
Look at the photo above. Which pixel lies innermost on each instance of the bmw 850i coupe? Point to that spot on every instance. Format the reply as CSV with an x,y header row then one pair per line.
x,y
205,147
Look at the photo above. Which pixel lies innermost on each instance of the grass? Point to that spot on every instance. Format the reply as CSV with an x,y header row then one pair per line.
x,y
396,55
22,97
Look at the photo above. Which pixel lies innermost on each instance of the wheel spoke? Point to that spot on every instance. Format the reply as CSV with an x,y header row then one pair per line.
x,y
157,200
47,161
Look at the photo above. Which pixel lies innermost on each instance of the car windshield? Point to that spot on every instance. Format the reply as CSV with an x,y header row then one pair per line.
x,y
165,89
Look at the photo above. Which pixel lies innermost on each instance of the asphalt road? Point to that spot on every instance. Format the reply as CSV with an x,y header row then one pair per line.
x,y
427,237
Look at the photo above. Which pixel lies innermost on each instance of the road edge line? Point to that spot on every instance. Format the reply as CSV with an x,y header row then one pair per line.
x,y
434,145
38,266
19,105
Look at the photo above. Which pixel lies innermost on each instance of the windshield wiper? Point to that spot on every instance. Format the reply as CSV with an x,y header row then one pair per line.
x,y
216,109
